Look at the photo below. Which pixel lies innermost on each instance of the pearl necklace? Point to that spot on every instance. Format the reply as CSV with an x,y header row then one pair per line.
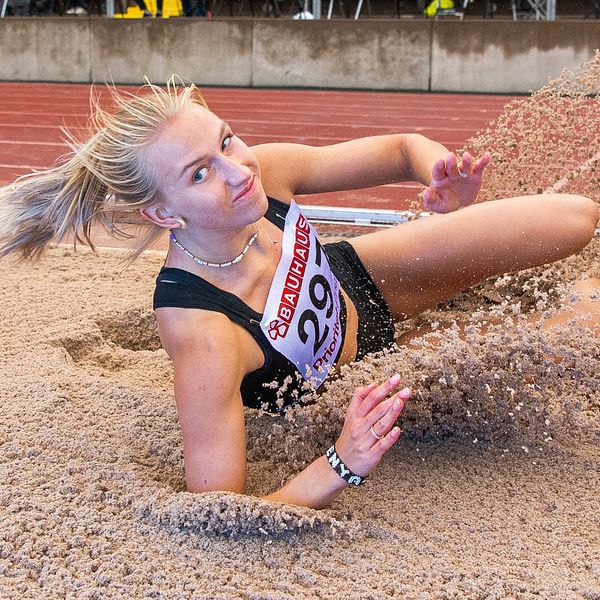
x,y
206,263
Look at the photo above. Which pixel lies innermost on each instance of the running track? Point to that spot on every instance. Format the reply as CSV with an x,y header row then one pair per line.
x,y
32,114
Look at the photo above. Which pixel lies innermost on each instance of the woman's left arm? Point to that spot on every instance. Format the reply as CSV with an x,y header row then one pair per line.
x,y
372,161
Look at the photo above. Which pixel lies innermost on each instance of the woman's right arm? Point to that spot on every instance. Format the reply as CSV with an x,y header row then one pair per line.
x,y
209,369
318,485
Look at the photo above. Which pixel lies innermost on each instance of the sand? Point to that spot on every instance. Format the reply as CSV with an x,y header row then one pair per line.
x,y
472,503
491,492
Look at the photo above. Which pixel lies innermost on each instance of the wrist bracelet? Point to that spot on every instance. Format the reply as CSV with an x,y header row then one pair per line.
x,y
341,469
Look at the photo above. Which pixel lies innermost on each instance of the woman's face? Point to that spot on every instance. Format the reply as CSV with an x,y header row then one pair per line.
x,y
207,175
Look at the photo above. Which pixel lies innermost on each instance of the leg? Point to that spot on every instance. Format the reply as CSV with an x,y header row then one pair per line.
x,y
419,264
587,307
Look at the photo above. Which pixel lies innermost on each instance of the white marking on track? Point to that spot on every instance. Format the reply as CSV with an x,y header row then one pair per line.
x,y
582,168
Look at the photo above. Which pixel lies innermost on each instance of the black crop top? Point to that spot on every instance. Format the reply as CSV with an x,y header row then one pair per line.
x,y
182,289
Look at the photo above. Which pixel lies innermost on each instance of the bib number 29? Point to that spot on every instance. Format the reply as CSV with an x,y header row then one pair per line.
x,y
322,299
310,316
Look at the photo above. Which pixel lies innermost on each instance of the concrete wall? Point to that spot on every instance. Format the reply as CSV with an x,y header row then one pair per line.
x,y
342,54
208,52
463,56
49,49
507,56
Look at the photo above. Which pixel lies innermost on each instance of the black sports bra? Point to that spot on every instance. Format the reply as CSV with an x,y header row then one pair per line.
x,y
275,385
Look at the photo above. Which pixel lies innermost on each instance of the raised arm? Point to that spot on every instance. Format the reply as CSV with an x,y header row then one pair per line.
x,y
290,169
208,372
360,163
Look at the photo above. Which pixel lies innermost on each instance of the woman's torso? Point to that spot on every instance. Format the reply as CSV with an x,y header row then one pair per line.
x,y
242,299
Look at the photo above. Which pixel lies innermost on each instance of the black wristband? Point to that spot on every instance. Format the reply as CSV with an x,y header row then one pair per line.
x,y
341,469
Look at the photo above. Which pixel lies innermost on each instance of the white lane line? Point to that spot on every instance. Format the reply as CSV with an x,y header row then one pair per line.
x,y
34,143
582,168
13,166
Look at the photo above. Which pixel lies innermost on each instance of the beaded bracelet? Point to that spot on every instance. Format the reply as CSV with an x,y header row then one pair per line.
x,y
341,469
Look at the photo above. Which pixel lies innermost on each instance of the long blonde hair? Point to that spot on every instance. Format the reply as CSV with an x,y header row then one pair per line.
x,y
100,180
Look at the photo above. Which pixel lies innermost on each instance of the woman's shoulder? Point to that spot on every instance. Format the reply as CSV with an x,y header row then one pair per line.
x,y
184,330
278,169
207,342
191,324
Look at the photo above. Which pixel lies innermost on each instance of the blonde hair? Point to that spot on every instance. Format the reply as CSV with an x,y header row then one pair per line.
x,y
100,180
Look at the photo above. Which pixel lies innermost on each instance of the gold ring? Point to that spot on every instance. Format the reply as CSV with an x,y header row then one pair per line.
x,y
377,437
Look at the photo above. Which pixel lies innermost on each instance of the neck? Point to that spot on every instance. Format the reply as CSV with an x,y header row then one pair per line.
x,y
214,250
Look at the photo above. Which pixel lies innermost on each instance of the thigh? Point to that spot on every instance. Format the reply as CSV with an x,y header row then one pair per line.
x,y
419,264
374,324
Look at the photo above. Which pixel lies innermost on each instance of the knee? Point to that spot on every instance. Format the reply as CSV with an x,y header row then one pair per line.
x,y
578,218
585,207
584,212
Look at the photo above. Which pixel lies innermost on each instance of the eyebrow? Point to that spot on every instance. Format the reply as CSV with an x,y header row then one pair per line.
x,y
196,160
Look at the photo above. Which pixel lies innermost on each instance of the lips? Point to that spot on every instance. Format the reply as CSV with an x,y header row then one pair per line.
x,y
247,190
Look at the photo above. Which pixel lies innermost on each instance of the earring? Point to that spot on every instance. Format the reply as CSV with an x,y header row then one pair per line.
x,y
182,222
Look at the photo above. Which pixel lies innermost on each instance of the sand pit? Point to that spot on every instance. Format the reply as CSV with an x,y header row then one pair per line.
x,y
491,492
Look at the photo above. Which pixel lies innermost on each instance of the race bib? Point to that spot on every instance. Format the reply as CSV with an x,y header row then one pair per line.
x,y
302,314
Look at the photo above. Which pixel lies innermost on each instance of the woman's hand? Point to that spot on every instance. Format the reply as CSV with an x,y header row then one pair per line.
x,y
369,428
454,185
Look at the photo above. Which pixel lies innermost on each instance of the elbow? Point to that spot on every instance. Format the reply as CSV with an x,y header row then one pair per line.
x,y
409,141
200,486
592,213
407,145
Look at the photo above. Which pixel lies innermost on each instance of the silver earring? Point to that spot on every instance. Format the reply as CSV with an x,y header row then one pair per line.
x,y
182,222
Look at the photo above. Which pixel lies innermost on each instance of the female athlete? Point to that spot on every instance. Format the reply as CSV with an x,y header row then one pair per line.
x,y
251,308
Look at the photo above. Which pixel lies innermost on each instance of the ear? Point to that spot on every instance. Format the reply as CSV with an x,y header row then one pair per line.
x,y
160,216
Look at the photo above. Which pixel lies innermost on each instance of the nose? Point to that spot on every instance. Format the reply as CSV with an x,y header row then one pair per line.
x,y
234,171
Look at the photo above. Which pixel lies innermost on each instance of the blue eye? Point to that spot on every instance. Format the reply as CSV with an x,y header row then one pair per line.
x,y
200,174
226,142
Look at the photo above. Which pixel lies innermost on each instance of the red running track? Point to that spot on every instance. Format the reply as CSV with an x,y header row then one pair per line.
x,y
32,115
